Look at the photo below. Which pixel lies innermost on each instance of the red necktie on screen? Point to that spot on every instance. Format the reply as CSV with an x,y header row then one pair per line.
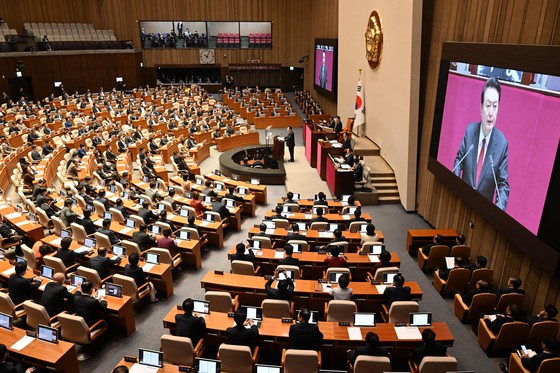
x,y
480,160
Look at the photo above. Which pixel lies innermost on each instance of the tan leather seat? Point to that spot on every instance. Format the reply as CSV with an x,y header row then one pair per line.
x,y
237,359
241,267
29,256
538,331
507,299
378,276
78,233
304,244
37,314
435,259
58,225
315,226
102,240
510,336
480,274
457,281
75,329
327,275
399,312
340,310
439,364
220,301
166,258
92,275
131,247
179,350
276,309
281,223
301,361
7,306
371,364
266,243
480,303
58,264
547,366
462,251
129,287
297,271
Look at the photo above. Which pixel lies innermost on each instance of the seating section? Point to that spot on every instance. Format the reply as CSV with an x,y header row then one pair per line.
x,y
68,32
5,32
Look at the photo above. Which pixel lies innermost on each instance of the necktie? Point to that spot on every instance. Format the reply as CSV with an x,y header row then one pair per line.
x,y
480,160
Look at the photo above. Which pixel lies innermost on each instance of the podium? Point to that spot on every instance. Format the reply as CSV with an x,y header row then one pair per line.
x,y
278,149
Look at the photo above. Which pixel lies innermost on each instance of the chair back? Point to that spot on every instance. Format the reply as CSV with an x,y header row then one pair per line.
x,y
117,215
36,314
241,267
462,251
58,225
297,273
341,310
437,364
355,225
294,207
301,361
238,359
437,257
511,335
6,304
315,226
550,366
137,219
265,242
507,299
304,244
481,303
538,331
29,256
457,281
276,309
78,233
372,364
128,286
43,217
281,223
56,263
193,232
400,311
99,208
337,270
220,301
481,274
164,255
378,276
102,240
177,350
90,275
131,247
74,328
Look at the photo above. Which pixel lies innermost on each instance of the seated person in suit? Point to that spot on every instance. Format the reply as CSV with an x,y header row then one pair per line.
x,y
513,285
370,235
239,335
190,324
163,219
55,294
21,288
208,190
11,367
278,214
438,240
513,313
258,162
429,348
357,217
303,335
145,213
444,273
191,219
372,340
65,254
153,193
319,218
550,350
166,242
482,286
46,206
169,199
285,288
358,169
221,209
460,240
101,199
106,230
548,313
231,194
142,238
480,263
87,223
335,261
119,205
337,238
101,263
346,143
82,193
262,230
289,260
322,200
240,253
137,273
86,304
384,261
290,199
294,235
397,291
342,292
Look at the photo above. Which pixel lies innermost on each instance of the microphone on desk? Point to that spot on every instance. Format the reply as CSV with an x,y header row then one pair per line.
x,y
465,156
495,181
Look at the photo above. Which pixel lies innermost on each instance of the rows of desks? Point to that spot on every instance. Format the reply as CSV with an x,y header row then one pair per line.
x,y
237,141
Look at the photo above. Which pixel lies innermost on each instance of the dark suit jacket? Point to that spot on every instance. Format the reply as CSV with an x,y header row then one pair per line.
x,y
498,148
147,215
143,240
275,294
48,210
434,349
496,325
347,143
190,326
67,256
221,209
289,139
394,293
109,233
503,291
367,351
471,267
137,273
295,237
467,298
304,336
20,288
53,298
240,336
289,261
234,197
102,263
246,257
426,249
89,307
532,364
319,219
88,225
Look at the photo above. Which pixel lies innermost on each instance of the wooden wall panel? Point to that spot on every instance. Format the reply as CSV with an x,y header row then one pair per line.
x,y
492,21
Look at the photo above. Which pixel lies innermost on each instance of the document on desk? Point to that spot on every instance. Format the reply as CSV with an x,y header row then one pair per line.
x,y
336,146
381,288
450,261
279,255
81,249
327,287
114,198
346,217
345,166
148,267
125,230
373,258
326,235
407,332
308,216
354,334
23,223
270,231
13,215
171,216
56,241
280,138
3,207
9,272
204,223
492,317
225,180
22,343
140,368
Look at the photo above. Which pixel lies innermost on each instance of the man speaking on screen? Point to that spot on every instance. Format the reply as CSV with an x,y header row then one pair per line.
x,y
323,81
483,155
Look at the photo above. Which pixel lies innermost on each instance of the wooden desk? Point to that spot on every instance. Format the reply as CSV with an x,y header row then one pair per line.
x,y
307,204
323,151
201,153
60,357
248,202
333,218
340,181
258,190
251,291
416,238
311,137
199,137
237,141
167,368
20,223
278,122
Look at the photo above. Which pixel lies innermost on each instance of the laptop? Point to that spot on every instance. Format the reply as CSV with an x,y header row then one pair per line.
x,y
388,278
376,249
113,290
255,244
47,272
184,213
107,215
155,229
32,218
6,321
89,242
188,195
126,196
198,181
77,279
334,276
119,250
65,233
217,172
267,369
219,187
210,217
253,313
152,258
230,204
201,306
269,224
242,191
345,198
313,318
420,319
161,207
184,235
333,227
169,189
351,210
47,334
208,199
296,197
130,223
234,177
20,259
366,319
150,358
255,181
90,208
286,274
207,365
297,247
140,201
363,228
287,209
112,189
302,226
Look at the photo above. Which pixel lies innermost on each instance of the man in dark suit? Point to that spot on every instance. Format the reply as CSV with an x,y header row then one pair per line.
x,y
548,313
55,294
65,254
290,199
87,306
145,213
321,200
262,230
19,287
289,260
303,335
231,194
429,348
372,340
101,263
444,273
346,143
142,238
294,235
278,215
319,218
438,240
284,291
550,350
513,313
484,150
137,273
337,125
46,206
221,209
480,263
105,229
239,335
323,78
397,291
513,285
357,217
101,199
188,324
87,223
482,286
240,253
290,143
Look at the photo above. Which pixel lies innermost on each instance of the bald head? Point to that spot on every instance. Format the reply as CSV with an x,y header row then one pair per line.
x,y
58,278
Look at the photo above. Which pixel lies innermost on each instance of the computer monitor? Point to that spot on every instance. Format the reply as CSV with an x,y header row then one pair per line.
x,y
333,227
376,249
152,258
47,334
313,318
351,210
287,209
130,223
217,172
209,217
253,313
267,369
234,177
145,179
155,229
90,208
119,250
242,191
113,290
184,235
65,233
20,259
334,276
161,207
126,196
77,279
89,242
230,203
420,319
297,247
32,218
269,224
188,195
6,321
255,244
150,358
112,189
302,226
47,272
207,365
140,201
107,215
184,213
201,306
388,277
285,274
208,199
363,228
219,187
198,181
364,319
345,197
296,197
2,254
255,181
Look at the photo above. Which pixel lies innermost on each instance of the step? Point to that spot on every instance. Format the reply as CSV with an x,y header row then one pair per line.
x,y
383,186
388,200
382,179
388,192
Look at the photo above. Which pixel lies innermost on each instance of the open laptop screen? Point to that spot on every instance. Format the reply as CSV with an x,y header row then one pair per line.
x,y
47,272
207,365
113,290
420,319
201,306
6,321
364,319
151,358
47,334
253,313
313,318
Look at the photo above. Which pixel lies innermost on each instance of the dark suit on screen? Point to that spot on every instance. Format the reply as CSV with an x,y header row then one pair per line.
x,y
498,149
323,81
